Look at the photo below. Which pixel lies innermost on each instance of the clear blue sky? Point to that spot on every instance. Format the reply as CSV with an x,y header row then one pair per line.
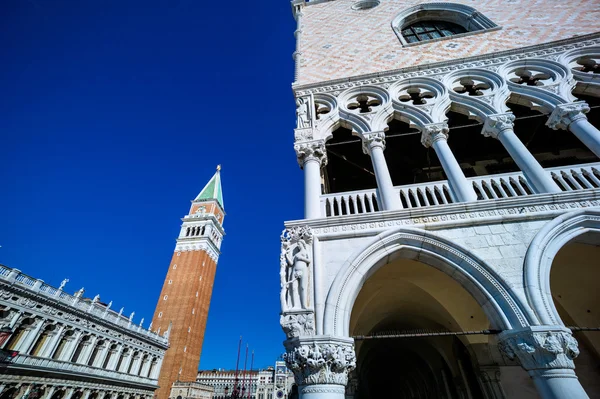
x,y
113,116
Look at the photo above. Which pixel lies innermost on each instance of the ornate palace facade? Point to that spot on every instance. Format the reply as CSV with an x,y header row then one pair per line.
x,y
452,200
63,346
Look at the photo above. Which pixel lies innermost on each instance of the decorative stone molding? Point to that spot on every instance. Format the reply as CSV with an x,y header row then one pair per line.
x,y
320,360
373,140
323,389
565,114
434,132
311,151
495,124
202,245
298,323
295,271
303,135
540,347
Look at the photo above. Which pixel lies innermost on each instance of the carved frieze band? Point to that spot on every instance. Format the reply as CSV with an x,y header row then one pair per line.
x,y
491,63
541,349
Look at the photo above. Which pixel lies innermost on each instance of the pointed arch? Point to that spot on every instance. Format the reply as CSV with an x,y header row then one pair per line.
x,y
502,307
541,252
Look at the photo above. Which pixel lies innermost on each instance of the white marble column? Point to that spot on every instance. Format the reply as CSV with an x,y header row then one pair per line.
x,y
127,359
86,394
68,393
436,136
70,346
112,365
49,392
547,353
571,116
312,155
321,365
24,392
32,336
374,145
87,350
102,353
500,126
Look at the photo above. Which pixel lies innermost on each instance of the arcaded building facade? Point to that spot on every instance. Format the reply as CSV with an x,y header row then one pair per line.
x,y
184,301
451,234
56,345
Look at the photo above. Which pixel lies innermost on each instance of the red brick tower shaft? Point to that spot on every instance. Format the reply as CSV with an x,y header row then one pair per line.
x,y
184,301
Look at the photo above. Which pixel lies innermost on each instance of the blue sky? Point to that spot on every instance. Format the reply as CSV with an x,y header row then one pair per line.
x,y
113,116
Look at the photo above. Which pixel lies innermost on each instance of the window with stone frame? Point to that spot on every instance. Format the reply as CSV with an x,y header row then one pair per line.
x,y
438,21
427,30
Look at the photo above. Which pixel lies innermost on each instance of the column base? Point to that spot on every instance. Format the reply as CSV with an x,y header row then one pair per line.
x,y
322,391
558,384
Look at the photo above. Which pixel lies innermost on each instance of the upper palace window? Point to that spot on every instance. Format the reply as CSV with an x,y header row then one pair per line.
x,y
437,21
427,30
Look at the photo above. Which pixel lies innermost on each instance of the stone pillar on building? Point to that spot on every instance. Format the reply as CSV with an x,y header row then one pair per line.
x,y
32,336
68,393
86,394
52,342
70,346
312,156
571,116
547,353
24,391
127,359
87,350
374,145
49,392
102,353
500,126
114,360
436,136
321,365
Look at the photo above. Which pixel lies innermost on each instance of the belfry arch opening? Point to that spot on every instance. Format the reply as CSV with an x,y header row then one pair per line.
x,y
574,278
407,295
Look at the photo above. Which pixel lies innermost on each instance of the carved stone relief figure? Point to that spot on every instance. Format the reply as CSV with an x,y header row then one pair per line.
x,y
303,113
295,260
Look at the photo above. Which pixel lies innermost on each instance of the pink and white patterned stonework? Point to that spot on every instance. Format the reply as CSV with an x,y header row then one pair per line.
x,y
339,42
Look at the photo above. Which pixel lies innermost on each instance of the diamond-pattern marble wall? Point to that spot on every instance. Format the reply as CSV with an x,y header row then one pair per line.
x,y
339,42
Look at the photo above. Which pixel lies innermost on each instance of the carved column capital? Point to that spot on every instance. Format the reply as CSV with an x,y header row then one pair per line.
x,y
434,132
540,347
565,114
311,151
320,360
495,124
373,140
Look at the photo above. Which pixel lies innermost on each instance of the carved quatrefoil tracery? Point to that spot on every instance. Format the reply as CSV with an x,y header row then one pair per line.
x,y
472,87
415,95
363,103
530,77
587,64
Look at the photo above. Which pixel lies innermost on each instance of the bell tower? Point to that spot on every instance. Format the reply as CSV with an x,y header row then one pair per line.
x,y
185,297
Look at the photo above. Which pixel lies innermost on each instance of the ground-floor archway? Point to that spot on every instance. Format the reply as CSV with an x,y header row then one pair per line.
x,y
410,296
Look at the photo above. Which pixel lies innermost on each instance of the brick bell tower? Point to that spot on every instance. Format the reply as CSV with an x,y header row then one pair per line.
x,y
185,298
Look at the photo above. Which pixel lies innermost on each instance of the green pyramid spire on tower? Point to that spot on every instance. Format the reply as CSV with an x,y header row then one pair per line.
x,y
212,190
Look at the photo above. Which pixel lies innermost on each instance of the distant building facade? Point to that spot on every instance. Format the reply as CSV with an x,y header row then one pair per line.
x,y
185,297
190,390
271,383
62,346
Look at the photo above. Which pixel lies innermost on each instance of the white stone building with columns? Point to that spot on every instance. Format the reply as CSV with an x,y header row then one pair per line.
x,y
64,346
451,233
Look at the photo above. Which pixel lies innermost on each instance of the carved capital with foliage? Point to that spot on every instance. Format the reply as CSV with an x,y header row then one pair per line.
x,y
433,132
540,347
565,114
495,124
320,359
311,151
373,140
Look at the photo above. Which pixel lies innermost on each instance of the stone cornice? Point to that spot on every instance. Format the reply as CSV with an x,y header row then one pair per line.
x,y
539,206
432,69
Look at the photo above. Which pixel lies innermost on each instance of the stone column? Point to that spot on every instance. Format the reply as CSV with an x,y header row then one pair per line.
x,y
312,155
25,392
102,353
436,136
69,392
112,365
547,353
127,359
49,392
500,126
87,350
320,365
571,116
86,394
70,347
32,336
373,145
53,340
490,381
